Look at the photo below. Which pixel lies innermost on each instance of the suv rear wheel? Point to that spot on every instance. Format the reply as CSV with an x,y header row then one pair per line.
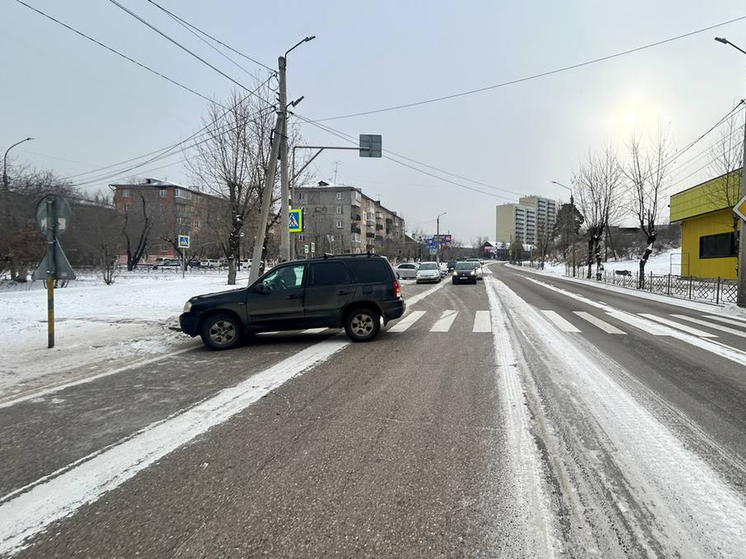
x,y
362,325
221,331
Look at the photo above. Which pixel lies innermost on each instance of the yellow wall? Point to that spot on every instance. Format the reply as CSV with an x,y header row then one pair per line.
x,y
706,197
694,228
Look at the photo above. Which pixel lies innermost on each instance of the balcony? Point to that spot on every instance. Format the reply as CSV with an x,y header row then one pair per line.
x,y
355,228
379,216
379,227
370,222
370,235
355,217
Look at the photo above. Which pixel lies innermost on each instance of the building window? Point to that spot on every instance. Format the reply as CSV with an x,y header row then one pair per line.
x,y
339,209
181,193
300,196
718,246
301,238
163,248
125,193
339,195
339,224
162,193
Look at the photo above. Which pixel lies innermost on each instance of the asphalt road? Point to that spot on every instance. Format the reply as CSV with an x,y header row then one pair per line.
x,y
523,417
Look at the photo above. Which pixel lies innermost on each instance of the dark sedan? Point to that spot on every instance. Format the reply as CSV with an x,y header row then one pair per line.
x,y
464,272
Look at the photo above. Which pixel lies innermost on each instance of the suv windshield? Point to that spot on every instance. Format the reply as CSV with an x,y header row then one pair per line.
x,y
465,265
429,266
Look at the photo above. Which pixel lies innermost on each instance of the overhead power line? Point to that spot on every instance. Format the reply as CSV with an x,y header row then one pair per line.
x,y
185,49
534,76
197,29
115,51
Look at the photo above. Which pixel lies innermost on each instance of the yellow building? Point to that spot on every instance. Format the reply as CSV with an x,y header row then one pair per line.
x,y
708,242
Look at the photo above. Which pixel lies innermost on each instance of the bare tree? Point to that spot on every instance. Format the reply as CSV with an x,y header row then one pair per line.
x,y
598,189
231,162
727,165
646,172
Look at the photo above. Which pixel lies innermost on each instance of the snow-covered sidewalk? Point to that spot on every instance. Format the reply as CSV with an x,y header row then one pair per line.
x,y
96,326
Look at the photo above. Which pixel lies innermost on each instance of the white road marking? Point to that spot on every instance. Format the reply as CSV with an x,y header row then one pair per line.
x,y
314,330
719,327
684,327
61,494
602,324
732,321
633,320
560,322
404,324
65,385
482,322
445,321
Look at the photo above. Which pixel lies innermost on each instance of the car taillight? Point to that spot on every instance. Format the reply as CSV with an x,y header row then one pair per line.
x,y
397,289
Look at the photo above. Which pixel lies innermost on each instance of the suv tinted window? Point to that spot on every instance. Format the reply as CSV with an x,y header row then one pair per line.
x,y
329,273
369,270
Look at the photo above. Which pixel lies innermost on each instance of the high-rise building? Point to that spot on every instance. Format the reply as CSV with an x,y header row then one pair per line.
x,y
526,221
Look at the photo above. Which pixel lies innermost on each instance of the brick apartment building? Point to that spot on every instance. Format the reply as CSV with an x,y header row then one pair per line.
x,y
174,209
341,219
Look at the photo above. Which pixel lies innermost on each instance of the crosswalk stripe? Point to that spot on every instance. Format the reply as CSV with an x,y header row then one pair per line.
x,y
602,324
404,324
637,323
314,330
482,322
560,322
719,327
445,321
732,321
678,326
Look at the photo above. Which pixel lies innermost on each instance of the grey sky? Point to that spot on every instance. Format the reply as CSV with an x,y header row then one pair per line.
x,y
88,108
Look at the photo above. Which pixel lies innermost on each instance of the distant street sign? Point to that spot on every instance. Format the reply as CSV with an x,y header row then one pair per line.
x,y
183,241
433,251
305,248
740,209
295,220
313,248
371,145
61,209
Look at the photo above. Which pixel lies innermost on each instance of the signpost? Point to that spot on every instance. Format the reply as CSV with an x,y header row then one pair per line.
x,y
53,216
740,208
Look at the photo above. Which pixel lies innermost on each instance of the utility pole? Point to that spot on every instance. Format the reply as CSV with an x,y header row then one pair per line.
x,y
437,234
741,297
284,185
269,181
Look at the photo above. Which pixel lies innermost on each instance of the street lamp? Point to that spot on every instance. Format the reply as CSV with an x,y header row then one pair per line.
x,y
741,297
284,179
572,205
6,185
437,233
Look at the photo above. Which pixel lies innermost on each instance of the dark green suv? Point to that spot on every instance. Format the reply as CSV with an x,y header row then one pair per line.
x,y
356,292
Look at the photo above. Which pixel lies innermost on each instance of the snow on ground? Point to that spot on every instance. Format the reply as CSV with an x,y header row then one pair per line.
x,y
666,262
96,326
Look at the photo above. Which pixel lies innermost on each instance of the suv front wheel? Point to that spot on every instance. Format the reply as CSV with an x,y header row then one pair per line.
x,y
221,331
362,325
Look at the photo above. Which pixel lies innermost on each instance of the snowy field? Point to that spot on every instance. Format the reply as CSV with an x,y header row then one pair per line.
x,y
666,262
94,323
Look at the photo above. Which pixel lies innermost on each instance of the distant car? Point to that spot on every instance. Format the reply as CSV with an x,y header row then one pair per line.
x,y
244,264
356,292
209,264
406,270
464,272
443,269
167,263
451,265
428,272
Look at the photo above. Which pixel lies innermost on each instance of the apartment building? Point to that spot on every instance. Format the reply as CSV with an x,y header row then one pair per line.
x,y
526,221
172,209
341,219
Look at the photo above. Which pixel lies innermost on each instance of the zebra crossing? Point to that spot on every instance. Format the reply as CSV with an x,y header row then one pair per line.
x,y
614,323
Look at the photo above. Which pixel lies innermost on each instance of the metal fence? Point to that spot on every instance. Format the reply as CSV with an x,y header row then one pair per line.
x,y
714,290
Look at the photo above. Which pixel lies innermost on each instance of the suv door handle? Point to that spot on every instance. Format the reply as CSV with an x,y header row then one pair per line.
x,y
294,296
343,292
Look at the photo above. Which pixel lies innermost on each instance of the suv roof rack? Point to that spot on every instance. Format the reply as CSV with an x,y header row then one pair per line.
x,y
348,255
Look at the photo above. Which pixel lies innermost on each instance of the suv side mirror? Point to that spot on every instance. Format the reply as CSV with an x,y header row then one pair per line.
x,y
260,288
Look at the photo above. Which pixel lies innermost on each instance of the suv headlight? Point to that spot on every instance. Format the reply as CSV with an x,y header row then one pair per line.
x,y
187,306
472,273
454,273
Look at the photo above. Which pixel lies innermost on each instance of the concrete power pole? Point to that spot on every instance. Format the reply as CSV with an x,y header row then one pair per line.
x,y
284,183
741,300
269,182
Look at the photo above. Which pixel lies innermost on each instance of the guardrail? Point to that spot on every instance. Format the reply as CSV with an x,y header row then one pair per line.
x,y
714,290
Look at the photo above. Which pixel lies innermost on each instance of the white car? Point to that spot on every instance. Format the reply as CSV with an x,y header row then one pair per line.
x,y
428,271
443,269
406,270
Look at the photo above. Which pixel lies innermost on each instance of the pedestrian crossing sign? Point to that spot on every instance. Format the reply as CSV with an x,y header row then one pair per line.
x,y
295,220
